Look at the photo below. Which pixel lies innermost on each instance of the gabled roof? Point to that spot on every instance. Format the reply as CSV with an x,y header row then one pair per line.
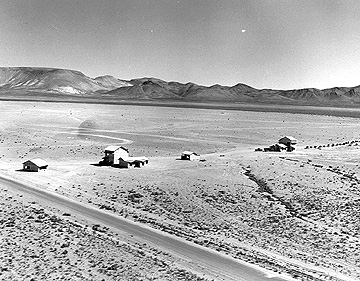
x,y
113,148
290,138
38,162
186,152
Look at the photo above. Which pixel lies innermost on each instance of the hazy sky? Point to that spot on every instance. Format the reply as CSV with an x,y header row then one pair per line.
x,y
282,44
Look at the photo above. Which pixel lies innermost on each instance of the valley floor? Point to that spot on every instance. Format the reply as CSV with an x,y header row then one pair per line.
x,y
294,214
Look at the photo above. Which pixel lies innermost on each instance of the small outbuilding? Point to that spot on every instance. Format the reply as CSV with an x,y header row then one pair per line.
x,y
190,155
35,165
113,153
288,141
137,162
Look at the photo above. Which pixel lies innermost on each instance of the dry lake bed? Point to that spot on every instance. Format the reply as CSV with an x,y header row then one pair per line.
x,y
294,215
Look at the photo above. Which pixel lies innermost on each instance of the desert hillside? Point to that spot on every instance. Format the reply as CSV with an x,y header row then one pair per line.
x,y
22,80
35,82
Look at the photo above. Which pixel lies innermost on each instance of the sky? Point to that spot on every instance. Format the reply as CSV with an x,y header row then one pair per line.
x,y
278,44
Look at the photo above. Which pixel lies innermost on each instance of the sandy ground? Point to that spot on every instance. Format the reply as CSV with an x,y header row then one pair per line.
x,y
295,213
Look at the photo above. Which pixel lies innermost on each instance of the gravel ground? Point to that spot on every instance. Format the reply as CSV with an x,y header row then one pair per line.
x,y
295,213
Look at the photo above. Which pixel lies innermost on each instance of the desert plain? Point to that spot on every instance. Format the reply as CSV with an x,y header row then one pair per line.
x,y
292,215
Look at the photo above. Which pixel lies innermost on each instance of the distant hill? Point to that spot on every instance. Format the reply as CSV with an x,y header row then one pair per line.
x,y
152,88
48,82
52,80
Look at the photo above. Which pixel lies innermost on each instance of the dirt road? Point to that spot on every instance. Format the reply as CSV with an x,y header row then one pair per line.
x,y
225,268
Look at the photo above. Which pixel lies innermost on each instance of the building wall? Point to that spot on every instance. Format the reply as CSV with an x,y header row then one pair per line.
x,y
28,166
120,153
123,164
190,157
113,158
194,157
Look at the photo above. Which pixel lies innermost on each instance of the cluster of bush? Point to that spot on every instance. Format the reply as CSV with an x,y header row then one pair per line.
x,y
348,143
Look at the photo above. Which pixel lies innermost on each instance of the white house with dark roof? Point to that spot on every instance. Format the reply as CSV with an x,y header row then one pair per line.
x,y
34,165
288,140
126,162
189,155
113,153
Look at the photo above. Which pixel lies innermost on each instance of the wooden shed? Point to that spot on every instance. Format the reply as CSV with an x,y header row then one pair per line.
x,y
113,153
190,155
137,162
288,140
35,165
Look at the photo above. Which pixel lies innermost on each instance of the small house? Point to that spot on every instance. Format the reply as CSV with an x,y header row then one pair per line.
x,y
190,155
288,141
137,162
35,165
113,154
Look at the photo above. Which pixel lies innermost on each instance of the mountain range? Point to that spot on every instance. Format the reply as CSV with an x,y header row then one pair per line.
x,y
33,82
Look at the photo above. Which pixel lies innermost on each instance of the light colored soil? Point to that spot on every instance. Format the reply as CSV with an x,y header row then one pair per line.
x,y
37,244
295,213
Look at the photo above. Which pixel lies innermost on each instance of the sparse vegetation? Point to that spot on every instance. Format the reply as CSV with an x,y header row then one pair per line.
x,y
295,212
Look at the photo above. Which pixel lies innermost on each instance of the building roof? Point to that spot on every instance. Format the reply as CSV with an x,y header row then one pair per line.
x,y
134,159
186,152
113,148
38,162
290,138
